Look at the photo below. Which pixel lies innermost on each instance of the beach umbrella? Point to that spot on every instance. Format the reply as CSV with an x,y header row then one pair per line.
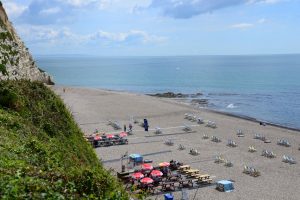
x,y
138,175
156,173
147,167
123,134
147,180
110,136
97,137
164,164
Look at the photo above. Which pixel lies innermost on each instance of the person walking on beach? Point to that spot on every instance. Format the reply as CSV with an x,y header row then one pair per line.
x,y
124,127
130,127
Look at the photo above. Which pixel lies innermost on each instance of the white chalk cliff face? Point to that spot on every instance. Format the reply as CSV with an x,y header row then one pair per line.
x,y
15,60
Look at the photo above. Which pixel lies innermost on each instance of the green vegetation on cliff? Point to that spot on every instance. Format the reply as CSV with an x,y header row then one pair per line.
x,y
43,153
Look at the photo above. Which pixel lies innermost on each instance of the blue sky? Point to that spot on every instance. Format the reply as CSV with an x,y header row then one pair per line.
x,y
157,27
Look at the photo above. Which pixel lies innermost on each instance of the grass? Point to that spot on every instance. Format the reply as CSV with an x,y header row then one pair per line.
x,y
43,153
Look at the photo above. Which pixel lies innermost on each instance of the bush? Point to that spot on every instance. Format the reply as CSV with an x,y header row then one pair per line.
x,y
43,153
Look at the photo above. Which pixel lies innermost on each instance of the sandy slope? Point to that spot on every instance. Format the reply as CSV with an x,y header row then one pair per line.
x,y
92,108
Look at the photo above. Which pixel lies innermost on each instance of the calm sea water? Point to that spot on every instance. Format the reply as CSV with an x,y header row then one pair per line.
x,y
264,87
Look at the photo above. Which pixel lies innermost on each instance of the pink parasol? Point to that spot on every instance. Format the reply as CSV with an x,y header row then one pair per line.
x,y
97,137
147,180
156,173
110,136
147,167
164,164
123,134
137,175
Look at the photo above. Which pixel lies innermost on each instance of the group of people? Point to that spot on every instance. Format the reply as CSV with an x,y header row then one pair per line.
x,y
146,126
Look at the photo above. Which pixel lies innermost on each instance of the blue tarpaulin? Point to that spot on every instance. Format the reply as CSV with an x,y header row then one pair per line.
x,y
169,197
136,158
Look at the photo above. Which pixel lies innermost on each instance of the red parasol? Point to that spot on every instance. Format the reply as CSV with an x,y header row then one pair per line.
x,y
138,175
156,173
123,134
164,164
147,180
97,137
147,167
110,136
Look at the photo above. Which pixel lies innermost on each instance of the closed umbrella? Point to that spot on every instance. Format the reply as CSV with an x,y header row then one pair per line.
x,y
147,180
137,175
156,173
147,167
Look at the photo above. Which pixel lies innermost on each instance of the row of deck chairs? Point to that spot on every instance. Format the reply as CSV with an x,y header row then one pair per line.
x,y
284,142
231,143
288,159
268,154
215,139
251,171
221,159
193,118
251,149
240,133
211,124
115,125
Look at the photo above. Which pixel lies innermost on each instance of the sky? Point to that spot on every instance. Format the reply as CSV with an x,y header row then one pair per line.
x,y
157,27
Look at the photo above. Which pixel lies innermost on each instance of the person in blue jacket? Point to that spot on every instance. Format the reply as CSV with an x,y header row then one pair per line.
x,y
146,125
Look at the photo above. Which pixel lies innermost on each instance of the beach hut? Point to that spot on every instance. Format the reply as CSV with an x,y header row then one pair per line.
x,y
135,159
225,186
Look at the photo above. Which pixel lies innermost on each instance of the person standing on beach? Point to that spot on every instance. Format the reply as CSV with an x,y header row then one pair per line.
x,y
124,127
130,127
146,125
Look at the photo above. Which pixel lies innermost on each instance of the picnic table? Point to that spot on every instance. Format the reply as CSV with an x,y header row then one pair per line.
x,y
168,186
184,167
186,183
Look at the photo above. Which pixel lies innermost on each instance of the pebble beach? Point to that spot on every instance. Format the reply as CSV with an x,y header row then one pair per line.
x,y
93,108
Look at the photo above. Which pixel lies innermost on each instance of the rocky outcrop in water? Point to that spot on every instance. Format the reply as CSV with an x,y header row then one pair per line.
x,y
15,60
175,95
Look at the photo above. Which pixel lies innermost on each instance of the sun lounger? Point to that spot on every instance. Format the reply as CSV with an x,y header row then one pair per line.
x,y
158,130
219,159
251,171
288,159
268,154
228,163
181,147
194,152
200,121
215,139
251,149
231,143
240,133
284,142
186,128
205,137
169,142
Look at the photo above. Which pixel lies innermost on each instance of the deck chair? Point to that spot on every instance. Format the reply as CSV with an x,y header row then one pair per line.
x,y
169,142
240,133
158,130
186,128
200,121
194,152
181,147
228,163
251,149
205,137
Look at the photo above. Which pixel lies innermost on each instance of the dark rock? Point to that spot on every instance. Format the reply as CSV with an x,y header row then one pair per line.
x,y
170,95
200,101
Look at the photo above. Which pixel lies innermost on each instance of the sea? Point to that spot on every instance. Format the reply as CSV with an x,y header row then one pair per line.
x,y
264,87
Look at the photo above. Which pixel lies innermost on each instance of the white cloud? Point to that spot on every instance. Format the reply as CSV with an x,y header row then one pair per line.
x,y
242,25
47,34
50,11
262,21
14,9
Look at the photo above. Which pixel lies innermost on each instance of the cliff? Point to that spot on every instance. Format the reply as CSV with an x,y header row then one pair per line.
x,y
16,62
